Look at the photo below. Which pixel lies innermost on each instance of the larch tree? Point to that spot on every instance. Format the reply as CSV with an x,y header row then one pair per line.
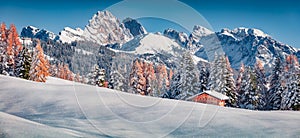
x,y
137,79
3,45
12,51
40,66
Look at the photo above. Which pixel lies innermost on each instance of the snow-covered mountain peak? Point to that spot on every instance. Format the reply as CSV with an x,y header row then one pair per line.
x,y
200,31
34,32
134,27
68,35
151,44
242,32
104,28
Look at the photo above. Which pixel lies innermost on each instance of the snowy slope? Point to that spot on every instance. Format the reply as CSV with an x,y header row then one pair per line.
x,y
67,109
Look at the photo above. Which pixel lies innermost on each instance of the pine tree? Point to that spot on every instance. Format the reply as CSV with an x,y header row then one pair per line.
x,y
229,89
117,81
221,79
291,93
239,79
40,66
276,88
249,97
185,82
24,64
203,76
261,85
97,77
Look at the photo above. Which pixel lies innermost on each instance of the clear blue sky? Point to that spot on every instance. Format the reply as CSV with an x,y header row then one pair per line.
x,y
278,18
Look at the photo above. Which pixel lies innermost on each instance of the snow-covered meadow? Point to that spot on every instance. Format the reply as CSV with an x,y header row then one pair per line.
x,y
60,108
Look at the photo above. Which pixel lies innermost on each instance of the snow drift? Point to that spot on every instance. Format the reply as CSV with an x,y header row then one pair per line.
x,y
62,108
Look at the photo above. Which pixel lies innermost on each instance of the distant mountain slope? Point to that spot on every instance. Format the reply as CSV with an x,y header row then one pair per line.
x,y
241,45
76,110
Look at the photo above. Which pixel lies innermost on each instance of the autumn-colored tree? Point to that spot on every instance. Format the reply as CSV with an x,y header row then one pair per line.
x,y
162,76
137,79
170,74
12,50
77,78
68,73
40,65
3,32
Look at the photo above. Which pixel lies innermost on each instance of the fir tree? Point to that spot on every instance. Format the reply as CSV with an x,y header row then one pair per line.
x,y
221,79
276,88
23,64
261,85
40,66
203,76
249,97
117,81
185,82
97,77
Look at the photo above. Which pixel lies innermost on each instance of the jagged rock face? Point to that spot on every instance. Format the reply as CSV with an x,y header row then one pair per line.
x,y
134,27
68,35
104,29
33,32
241,45
180,37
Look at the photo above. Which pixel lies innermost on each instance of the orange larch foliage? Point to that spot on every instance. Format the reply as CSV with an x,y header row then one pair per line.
x,y
40,66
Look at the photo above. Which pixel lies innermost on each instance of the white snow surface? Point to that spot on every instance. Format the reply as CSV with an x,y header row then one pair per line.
x,y
60,108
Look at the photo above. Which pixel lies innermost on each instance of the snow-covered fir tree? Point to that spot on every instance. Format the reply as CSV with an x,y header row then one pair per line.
x,y
261,84
249,96
276,87
291,93
185,82
117,81
24,64
40,66
97,77
203,76
239,79
221,79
